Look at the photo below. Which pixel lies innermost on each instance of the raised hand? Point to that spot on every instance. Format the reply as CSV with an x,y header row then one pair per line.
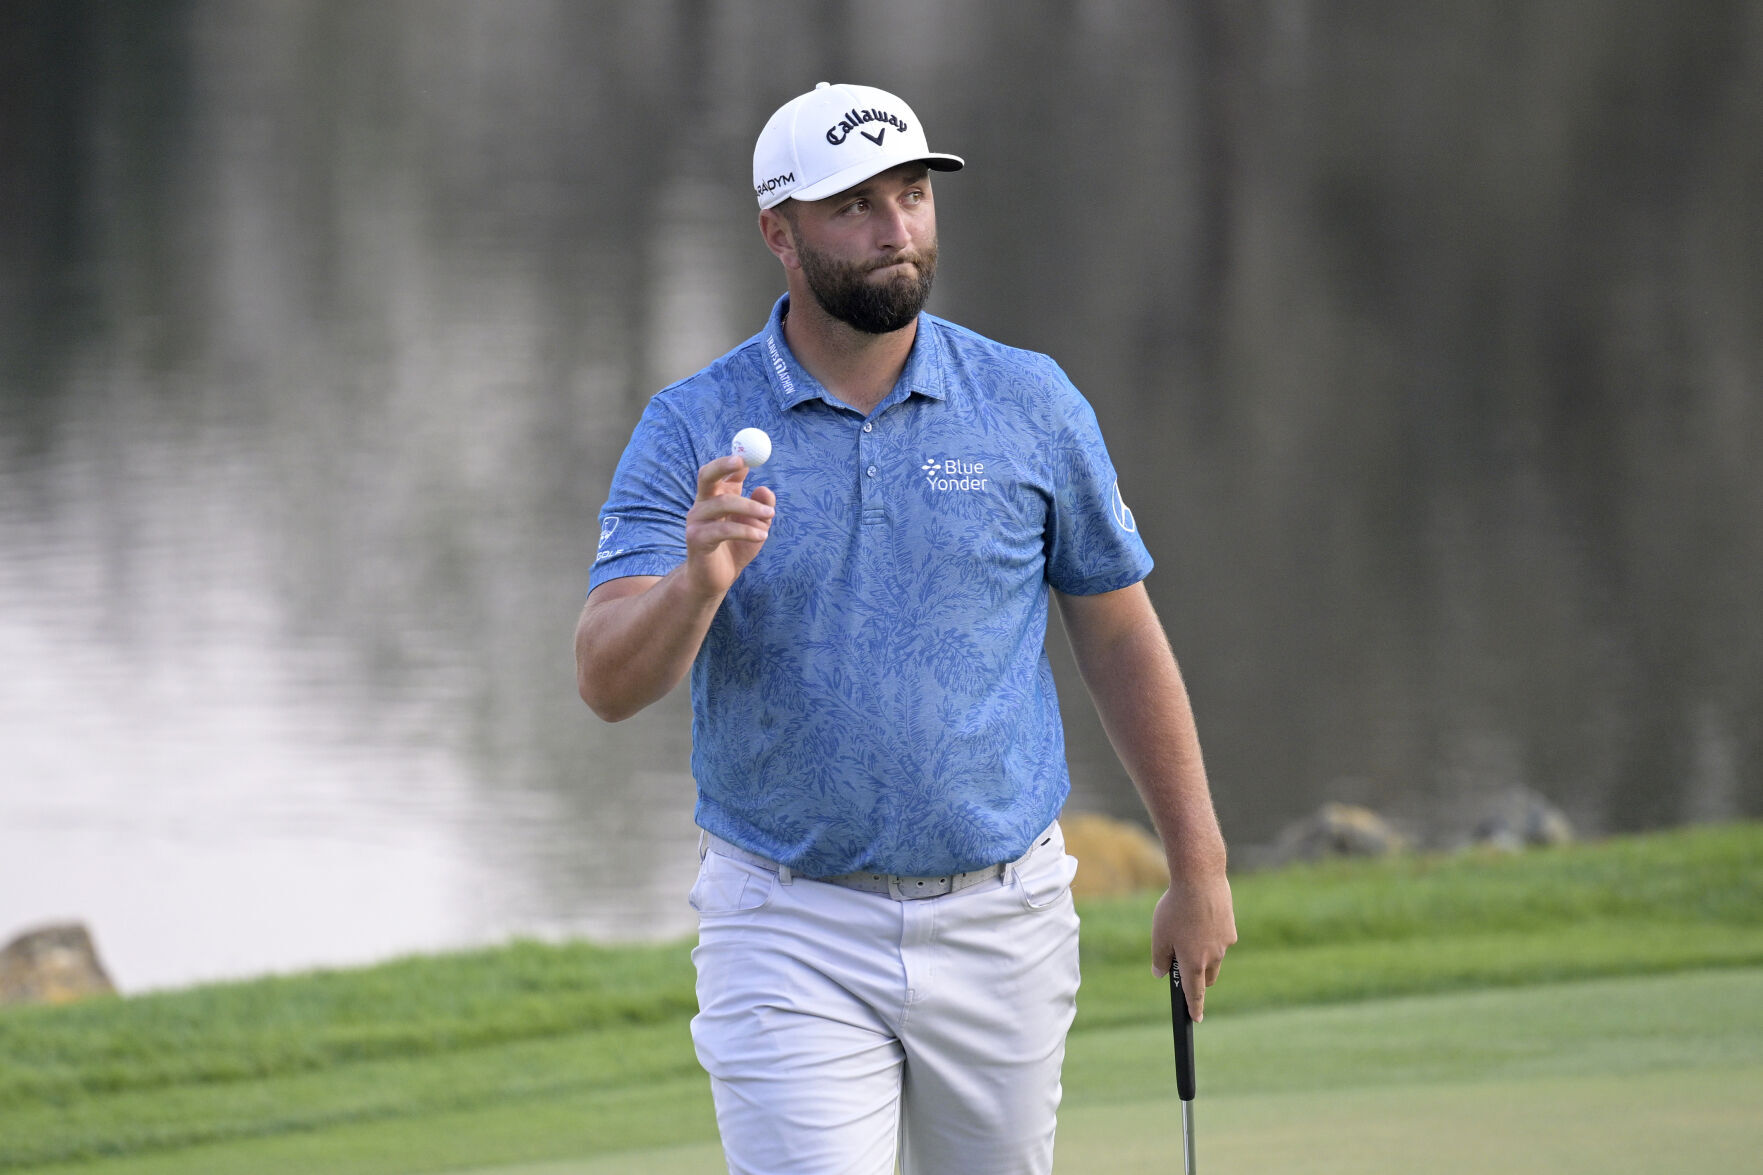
x,y
724,529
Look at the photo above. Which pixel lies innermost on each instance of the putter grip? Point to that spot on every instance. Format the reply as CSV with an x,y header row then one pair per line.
x,y
1184,1035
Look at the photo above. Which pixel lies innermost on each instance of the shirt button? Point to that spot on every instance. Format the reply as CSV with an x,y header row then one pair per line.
x,y
869,426
872,471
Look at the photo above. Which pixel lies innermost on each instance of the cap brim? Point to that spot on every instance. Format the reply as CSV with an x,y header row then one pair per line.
x,y
852,176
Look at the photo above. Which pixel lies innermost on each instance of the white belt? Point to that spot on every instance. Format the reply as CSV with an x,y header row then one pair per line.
x,y
900,887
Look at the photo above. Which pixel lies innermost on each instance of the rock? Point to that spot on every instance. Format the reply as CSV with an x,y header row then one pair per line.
x,y
52,965
1114,856
1338,830
1519,818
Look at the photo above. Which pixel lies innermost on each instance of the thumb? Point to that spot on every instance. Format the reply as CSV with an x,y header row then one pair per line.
x,y
764,496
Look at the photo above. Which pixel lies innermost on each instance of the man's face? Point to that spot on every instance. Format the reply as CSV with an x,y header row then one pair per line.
x,y
869,254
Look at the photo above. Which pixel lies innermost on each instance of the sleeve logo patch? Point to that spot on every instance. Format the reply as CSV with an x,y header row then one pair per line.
x,y
1122,516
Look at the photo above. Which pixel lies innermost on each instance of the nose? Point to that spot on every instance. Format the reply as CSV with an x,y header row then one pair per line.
x,y
891,228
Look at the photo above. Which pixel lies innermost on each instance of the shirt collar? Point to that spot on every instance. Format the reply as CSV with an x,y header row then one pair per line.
x,y
922,375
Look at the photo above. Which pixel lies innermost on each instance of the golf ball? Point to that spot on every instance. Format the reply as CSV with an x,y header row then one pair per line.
x,y
752,444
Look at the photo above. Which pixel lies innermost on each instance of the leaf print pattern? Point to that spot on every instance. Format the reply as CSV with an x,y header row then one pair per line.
x,y
874,692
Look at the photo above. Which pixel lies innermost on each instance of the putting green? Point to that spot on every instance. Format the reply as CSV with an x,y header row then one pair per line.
x,y
1656,1074
1660,1074
1707,1122
1702,1121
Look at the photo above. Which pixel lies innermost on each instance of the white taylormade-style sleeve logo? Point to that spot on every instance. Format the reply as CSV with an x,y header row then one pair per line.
x,y
608,528
1122,515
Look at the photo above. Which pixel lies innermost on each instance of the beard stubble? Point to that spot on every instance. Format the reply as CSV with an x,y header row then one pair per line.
x,y
845,291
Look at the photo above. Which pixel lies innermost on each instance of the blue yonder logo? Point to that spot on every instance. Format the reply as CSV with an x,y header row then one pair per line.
x,y
953,475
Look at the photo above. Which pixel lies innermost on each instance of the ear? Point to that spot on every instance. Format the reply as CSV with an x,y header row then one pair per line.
x,y
774,227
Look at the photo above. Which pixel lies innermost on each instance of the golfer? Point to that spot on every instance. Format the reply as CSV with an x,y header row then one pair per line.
x,y
887,947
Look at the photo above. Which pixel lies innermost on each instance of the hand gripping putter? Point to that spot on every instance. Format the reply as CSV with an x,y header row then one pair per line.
x,y
1184,1063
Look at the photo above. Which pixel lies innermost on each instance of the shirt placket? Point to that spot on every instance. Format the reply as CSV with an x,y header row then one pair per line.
x,y
872,508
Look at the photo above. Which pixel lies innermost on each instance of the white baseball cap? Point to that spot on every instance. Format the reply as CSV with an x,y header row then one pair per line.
x,y
833,137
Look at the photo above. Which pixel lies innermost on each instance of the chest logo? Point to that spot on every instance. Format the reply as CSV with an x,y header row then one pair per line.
x,y
952,475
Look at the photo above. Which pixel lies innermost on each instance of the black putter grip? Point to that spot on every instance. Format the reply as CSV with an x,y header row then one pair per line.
x,y
1184,1035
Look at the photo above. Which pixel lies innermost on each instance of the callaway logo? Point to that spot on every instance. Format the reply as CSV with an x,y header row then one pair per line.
x,y
953,475
855,118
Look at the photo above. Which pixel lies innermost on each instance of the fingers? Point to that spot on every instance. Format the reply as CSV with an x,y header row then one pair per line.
x,y
1196,934
724,530
1163,952
720,513
712,475
720,506
710,534
1193,992
729,517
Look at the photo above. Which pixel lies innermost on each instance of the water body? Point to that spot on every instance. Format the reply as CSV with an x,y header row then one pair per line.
x,y
1429,352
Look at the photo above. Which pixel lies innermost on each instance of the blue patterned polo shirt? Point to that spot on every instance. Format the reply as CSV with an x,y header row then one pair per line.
x,y
874,692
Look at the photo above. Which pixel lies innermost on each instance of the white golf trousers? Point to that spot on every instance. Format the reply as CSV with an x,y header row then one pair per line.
x,y
837,1024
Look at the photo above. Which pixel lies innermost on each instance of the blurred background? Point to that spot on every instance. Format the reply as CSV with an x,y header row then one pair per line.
x,y
1428,340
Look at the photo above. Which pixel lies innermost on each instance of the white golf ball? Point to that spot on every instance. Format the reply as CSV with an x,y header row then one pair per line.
x,y
752,444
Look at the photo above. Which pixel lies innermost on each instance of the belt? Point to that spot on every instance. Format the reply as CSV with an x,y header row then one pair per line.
x,y
900,887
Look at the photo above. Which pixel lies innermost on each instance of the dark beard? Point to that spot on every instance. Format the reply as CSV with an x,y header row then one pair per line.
x,y
874,308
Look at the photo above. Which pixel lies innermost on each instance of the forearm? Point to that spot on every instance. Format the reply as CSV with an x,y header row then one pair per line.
x,y
1131,672
637,637
632,649
1146,712
1144,707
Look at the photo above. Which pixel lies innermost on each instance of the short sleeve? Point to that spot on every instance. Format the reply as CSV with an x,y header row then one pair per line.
x,y
1093,542
643,524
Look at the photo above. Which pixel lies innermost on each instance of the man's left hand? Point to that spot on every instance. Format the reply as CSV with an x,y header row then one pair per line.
x,y
1194,923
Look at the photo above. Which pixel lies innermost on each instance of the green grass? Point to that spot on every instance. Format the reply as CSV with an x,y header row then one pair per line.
x,y
1605,1075
1704,1122
412,1008
533,1052
1346,930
